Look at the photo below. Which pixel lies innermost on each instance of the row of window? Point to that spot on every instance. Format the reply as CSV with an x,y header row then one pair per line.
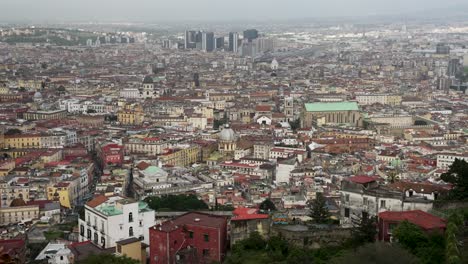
x,y
206,237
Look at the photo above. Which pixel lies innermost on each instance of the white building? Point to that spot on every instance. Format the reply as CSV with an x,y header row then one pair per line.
x,y
444,160
56,254
131,93
362,196
111,219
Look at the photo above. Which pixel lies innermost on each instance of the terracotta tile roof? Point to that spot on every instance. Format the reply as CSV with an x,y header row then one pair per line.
x,y
142,165
422,219
361,179
263,108
97,201
243,213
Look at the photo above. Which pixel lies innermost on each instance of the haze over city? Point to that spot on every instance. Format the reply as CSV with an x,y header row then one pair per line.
x,y
221,10
233,132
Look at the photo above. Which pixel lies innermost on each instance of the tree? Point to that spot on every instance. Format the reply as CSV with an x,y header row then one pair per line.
x,y
108,258
376,253
295,124
254,242
267,206
13,131
319,210
179,202
364,231
458,176
409,236
428,248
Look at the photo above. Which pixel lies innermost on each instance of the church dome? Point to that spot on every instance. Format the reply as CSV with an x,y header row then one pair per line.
x,y
148,79
17,202
227,134
38,95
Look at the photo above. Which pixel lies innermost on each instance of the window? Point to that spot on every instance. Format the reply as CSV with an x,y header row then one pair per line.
x,y
119,248
61,257
391,227
96,238
365,201
206,252
206,237
191,234
103,242
346,212
365,215
81,230
130,217
89,234
130,231
382,204
141,223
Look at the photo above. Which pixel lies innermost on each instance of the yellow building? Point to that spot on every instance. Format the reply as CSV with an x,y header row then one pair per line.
x,y
4,90
33,84
182,157
62,192
22,141
132,248
131,115
9,193
17,214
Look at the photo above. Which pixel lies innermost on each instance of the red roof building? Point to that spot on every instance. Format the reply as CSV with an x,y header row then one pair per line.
x,y
189,238
427,222
246,221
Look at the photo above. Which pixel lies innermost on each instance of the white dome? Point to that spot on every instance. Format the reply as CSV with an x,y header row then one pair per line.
x,y
37,95
227,134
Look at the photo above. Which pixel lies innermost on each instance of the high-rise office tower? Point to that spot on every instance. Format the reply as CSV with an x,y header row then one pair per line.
x,y
207,41
196,79
234,42
186,39
219,43
442,49
250,34
190,39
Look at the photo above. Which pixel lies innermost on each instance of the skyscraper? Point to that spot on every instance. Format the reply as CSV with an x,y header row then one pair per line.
x,y
250,34
208,41
186,39
219,43
234,42
190,39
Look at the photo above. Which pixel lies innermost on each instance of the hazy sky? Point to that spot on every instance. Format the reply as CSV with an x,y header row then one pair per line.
x,y
160,10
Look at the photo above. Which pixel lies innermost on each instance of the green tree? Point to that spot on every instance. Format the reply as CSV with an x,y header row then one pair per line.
x,y
108,258
409,236
267,205
179,202
295,124
13,131
364,231
458,176
376,253
319,210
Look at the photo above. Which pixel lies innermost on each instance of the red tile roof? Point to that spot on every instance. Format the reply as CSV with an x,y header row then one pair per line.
x,y
361,179
243,213
193,219
263,108
422,219
97,201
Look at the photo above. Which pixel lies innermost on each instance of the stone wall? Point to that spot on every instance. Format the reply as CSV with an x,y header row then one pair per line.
x,y
310,237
